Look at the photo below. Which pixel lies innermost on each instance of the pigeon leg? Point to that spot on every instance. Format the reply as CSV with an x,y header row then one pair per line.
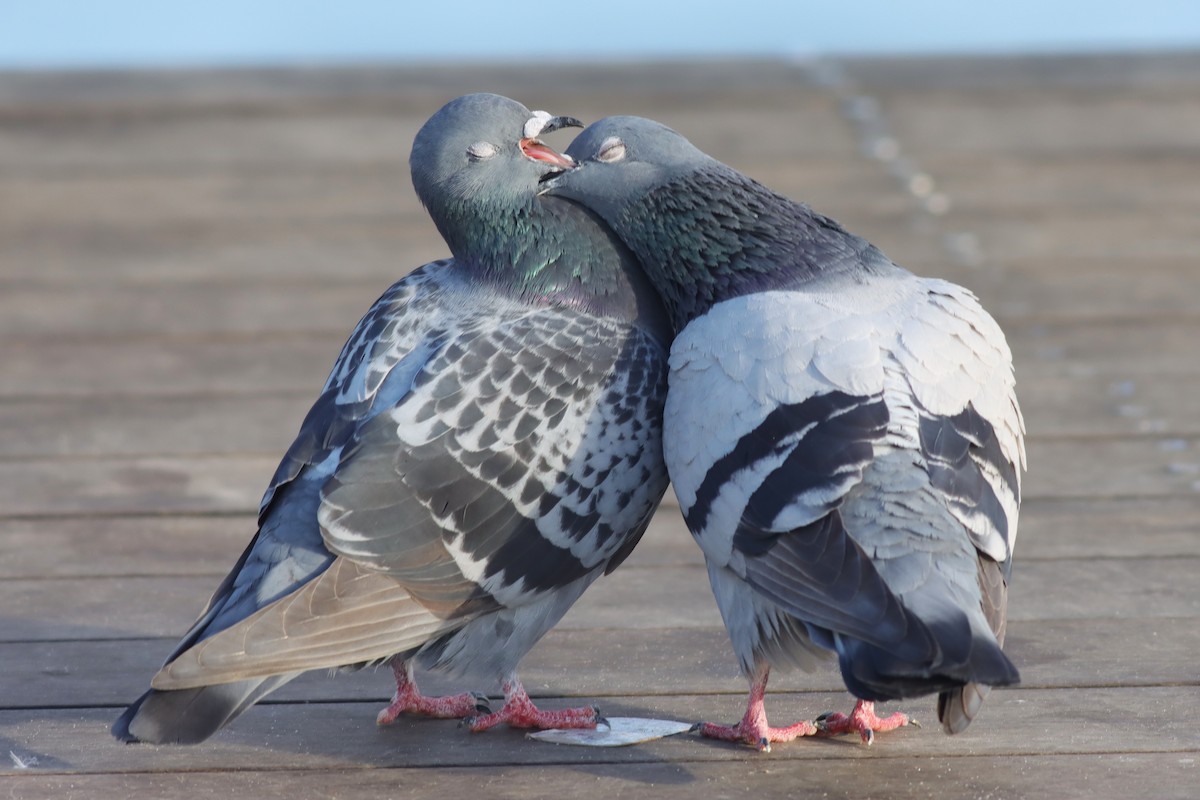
x,y
862,720
520,712
753,729
409,699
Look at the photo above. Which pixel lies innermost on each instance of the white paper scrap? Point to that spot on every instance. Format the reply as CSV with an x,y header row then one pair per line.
x,y
621,731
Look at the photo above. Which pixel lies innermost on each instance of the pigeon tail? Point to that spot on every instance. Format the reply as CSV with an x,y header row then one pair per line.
x,y
872,673
189,716
956,709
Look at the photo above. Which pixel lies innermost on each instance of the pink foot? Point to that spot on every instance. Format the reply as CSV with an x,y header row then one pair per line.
x,y
753,729
862,720
757,735
408,699
520,712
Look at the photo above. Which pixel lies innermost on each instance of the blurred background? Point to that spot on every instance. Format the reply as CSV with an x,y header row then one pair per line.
x,y
124,33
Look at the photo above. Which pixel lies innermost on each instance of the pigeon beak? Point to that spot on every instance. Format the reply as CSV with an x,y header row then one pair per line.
x,y
537,150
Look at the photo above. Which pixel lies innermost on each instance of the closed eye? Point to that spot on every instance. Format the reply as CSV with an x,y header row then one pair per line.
x,y
481,150
611,149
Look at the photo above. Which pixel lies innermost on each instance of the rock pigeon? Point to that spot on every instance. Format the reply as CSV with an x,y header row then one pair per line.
x,y
843,435
487,445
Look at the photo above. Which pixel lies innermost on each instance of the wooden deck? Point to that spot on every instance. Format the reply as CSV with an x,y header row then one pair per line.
x,y
182,254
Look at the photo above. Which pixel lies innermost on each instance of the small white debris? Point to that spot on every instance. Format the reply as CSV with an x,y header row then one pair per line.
x,y
921,184
938,204
884,148
22,763
621,731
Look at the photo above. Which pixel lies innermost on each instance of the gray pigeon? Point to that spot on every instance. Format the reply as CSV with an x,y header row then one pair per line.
x,y
487,445
843,436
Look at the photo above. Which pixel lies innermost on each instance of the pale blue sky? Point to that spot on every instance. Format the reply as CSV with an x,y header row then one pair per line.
x,y
83,33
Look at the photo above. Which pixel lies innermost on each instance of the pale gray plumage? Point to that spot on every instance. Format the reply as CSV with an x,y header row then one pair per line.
x,y
487,444
843,436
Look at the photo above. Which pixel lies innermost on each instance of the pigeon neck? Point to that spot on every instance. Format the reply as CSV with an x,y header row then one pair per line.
x,y
716,234
553,252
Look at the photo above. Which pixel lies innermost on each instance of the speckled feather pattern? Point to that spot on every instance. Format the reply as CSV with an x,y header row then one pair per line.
x,y
481,458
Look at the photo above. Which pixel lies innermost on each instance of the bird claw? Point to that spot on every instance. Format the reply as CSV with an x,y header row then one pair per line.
x,y
862,720
600,720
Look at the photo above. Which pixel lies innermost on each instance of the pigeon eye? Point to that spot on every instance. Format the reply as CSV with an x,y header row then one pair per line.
x,y
611,149
481,150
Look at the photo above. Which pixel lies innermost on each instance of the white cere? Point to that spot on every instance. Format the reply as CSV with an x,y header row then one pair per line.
x,y
536,124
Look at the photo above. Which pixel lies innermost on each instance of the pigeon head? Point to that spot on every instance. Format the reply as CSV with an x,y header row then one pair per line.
x,y
479,158
702,231
620,160
694,224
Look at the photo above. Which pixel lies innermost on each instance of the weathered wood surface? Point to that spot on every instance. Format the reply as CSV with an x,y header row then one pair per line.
x,y
181,255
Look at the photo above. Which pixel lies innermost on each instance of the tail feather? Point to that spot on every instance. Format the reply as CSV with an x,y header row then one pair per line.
x,y
347,615
189,716
958,707
871,673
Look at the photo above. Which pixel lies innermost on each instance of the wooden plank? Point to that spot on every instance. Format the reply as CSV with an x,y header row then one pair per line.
x,y
1085,289
681,83
1092,404
183,250
72,547
71,213
278,248
1017,722
77,427
1134,182
1111,528
601,662
1065,468
1053,73
1061,776
88,426
169,366
1083,235
631,598
134,144
95,546
1125,349
352,138
209,545
196,484
375,191
1034,122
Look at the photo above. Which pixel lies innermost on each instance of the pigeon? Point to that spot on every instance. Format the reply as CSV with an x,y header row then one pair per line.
x,y
843,436
487,445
